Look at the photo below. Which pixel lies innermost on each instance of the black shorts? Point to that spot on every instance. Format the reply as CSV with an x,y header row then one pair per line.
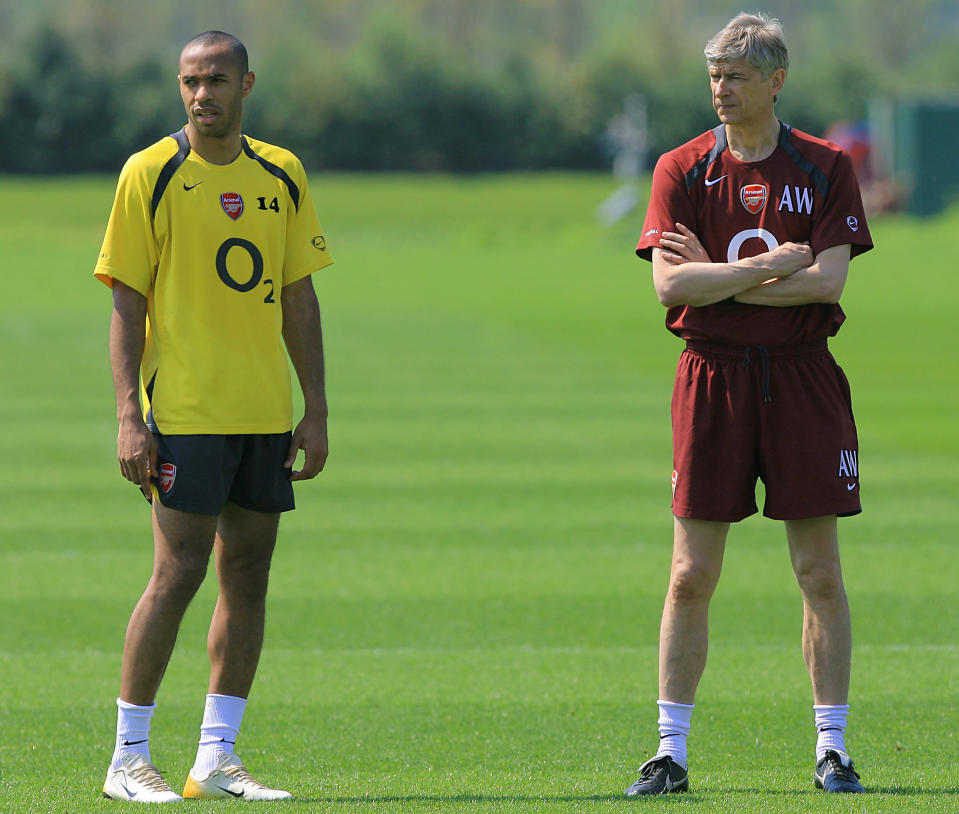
x,y
783,415
200,473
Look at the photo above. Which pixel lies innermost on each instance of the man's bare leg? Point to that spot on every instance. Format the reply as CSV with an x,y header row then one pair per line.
x,y
698,547
244,550
827,631
182,542
827,645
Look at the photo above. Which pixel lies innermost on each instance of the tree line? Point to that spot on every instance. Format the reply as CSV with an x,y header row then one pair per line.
x,y
402,98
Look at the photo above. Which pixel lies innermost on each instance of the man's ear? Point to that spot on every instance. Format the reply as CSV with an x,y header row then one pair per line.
x,y
778,79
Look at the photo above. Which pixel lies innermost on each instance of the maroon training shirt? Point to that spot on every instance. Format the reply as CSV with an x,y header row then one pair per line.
x,y
806,191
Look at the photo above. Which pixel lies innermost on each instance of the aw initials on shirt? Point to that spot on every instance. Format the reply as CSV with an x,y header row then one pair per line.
x,y
799,200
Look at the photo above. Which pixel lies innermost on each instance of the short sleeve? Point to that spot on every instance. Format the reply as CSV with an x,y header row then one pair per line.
x,y
306,248
669,203
842,219
129,251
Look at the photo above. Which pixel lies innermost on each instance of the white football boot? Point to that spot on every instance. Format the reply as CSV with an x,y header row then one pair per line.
x,y
138,781
230,779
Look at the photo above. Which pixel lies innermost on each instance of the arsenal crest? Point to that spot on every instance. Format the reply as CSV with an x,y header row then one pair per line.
x,y
167,476
753,197
232,204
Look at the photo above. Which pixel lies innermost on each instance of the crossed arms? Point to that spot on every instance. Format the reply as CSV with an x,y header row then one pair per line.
x,y
683,274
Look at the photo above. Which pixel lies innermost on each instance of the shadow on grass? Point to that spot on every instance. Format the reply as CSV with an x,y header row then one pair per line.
x,y
910,791
477,798
892,791
699,795
471,798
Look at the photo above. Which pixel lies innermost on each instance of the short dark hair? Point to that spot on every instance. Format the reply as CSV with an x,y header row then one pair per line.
x,y
222,38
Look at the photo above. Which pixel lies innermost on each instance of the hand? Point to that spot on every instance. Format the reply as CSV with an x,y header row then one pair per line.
x,y
682,246
310,436
789,258
137,454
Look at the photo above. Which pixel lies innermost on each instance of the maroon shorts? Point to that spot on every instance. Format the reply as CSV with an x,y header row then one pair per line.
x,y
783,415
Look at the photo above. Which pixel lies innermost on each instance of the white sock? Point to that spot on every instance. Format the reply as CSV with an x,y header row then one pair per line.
x,y
133,731
674,726
222,717
831,726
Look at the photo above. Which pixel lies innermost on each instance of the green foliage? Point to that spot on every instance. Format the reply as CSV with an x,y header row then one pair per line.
x,y
425,85
46,105
464,608
57,115
402,102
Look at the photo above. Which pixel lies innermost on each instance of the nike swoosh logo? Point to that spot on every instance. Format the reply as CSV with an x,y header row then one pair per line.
x,y
133,743
850,487
130,794
710,183
187,189
232,793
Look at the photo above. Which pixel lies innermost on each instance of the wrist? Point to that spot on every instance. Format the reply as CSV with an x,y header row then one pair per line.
x,y
129,413
760,272
316,412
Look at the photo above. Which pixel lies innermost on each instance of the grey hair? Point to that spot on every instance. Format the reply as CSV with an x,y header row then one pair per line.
x,y
751,38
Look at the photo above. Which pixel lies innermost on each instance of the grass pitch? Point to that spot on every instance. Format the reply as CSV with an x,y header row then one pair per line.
x,y
464,608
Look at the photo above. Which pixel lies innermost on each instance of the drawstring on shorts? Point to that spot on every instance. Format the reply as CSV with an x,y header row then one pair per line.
x,y
746,354
765,374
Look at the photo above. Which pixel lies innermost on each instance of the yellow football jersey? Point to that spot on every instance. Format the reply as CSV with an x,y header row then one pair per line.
x,y
211,247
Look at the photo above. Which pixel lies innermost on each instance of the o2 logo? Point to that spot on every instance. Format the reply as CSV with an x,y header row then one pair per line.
x,y
256,275
732,253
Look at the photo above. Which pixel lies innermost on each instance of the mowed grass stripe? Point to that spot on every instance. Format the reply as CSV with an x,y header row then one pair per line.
x,y
465,607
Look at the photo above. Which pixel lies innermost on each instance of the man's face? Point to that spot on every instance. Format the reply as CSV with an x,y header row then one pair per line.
x,y
213,89
740,94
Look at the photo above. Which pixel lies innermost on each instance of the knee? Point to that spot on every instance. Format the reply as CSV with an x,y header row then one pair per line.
x,y
181,578
246,573
820,582
690,584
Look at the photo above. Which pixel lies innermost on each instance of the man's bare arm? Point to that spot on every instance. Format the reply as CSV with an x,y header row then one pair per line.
x,y
303,335
683,274
136,446
823,281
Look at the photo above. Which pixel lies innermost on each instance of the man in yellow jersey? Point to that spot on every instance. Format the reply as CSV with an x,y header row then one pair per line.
x,y
209,251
